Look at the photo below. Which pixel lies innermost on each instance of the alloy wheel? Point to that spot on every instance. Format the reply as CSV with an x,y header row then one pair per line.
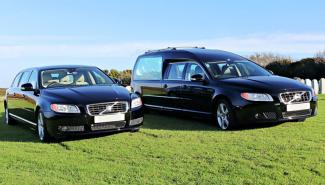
x,y
6,116
40,127
223,116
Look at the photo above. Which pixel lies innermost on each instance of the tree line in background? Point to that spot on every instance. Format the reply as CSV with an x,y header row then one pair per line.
x,y
311,68
306,68
124,76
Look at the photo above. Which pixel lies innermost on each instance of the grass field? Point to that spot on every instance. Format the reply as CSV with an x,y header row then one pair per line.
x,y
170,150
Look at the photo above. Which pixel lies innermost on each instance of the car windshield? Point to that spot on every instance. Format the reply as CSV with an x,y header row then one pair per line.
x,y
233,69
68,77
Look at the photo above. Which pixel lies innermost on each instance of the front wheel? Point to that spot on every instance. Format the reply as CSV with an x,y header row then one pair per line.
x,y
43,135
224,115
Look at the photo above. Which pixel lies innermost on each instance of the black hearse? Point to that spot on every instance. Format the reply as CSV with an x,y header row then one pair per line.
x,y
70,100
229,88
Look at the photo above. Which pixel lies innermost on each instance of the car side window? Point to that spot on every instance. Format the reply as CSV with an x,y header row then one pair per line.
x,y
16,80
175,71
148,68
193,69
24,78
33,79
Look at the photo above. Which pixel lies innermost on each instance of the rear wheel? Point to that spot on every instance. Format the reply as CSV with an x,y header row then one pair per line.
x,y
224,115
43,135
8,119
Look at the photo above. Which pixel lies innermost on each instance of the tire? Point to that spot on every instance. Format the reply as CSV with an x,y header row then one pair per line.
x,y
42,133
8,119
224,115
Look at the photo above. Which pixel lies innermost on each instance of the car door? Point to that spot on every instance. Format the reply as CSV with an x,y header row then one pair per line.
x,y
172,84
20,95
197,96
30,98
12,100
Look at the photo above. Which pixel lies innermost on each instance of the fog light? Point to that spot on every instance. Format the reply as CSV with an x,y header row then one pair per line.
x,y
136,121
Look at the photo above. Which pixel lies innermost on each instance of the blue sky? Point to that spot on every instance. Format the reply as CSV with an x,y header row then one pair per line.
x,y
110,34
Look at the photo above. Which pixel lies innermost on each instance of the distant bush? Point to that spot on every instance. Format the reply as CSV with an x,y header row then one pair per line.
x,y
311,68
280,67
2,92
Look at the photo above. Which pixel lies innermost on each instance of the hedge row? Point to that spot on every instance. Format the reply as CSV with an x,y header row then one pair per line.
x,y
308,68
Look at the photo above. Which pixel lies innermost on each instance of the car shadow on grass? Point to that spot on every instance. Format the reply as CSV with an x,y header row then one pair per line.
x,y
186,122
19,132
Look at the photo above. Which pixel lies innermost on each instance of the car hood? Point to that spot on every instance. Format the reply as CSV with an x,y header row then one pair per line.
x,y
266,83
86,95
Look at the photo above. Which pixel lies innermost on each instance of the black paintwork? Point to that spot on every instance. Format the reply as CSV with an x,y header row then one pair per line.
x,y
25,105
200,97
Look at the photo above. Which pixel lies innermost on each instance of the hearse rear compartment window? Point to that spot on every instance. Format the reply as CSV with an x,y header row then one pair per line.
x,y
148,68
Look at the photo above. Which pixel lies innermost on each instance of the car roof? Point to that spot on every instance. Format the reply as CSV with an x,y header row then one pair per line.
x,y
195,53
56,67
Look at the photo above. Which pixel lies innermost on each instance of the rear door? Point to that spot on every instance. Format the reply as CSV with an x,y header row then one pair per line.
x,y
172,84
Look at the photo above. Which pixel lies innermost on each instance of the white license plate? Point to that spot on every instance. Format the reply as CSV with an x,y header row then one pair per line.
x,y
296,107
109,118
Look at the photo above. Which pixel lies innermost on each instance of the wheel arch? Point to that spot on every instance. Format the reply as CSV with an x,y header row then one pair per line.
x,y
220,97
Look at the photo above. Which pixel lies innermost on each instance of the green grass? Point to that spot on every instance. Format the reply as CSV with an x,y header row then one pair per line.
x,y
170,150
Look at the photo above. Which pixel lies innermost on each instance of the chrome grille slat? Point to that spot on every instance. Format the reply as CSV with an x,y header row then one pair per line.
x,y
107,108
290,97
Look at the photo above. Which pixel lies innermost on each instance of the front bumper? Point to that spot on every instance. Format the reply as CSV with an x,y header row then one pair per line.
x,y
264,112
59,125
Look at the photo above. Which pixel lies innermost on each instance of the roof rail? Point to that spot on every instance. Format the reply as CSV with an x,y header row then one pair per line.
x,y
173,48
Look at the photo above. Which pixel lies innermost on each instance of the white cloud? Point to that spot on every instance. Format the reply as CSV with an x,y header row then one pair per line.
x,y
288,44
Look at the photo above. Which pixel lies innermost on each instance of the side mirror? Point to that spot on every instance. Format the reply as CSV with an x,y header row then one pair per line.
x,y
27,87
271,72
197,78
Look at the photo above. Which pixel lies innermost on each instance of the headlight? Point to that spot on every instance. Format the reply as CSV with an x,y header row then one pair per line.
x,y
136,103
61,108
256,96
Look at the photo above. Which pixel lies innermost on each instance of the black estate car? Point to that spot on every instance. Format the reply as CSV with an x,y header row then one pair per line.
x,y
69,100
227,87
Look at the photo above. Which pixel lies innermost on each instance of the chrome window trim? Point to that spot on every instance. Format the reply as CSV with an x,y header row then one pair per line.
x,y
22,119
168,97
171,108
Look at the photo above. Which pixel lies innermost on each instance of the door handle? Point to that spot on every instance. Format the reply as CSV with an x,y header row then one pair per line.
x,y
165,86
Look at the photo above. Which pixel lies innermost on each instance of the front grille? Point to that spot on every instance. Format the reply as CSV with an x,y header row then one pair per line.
x,y
107,108
296,113
295,97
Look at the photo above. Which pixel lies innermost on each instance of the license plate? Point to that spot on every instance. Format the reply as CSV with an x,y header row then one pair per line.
x,y
109,118
296,107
